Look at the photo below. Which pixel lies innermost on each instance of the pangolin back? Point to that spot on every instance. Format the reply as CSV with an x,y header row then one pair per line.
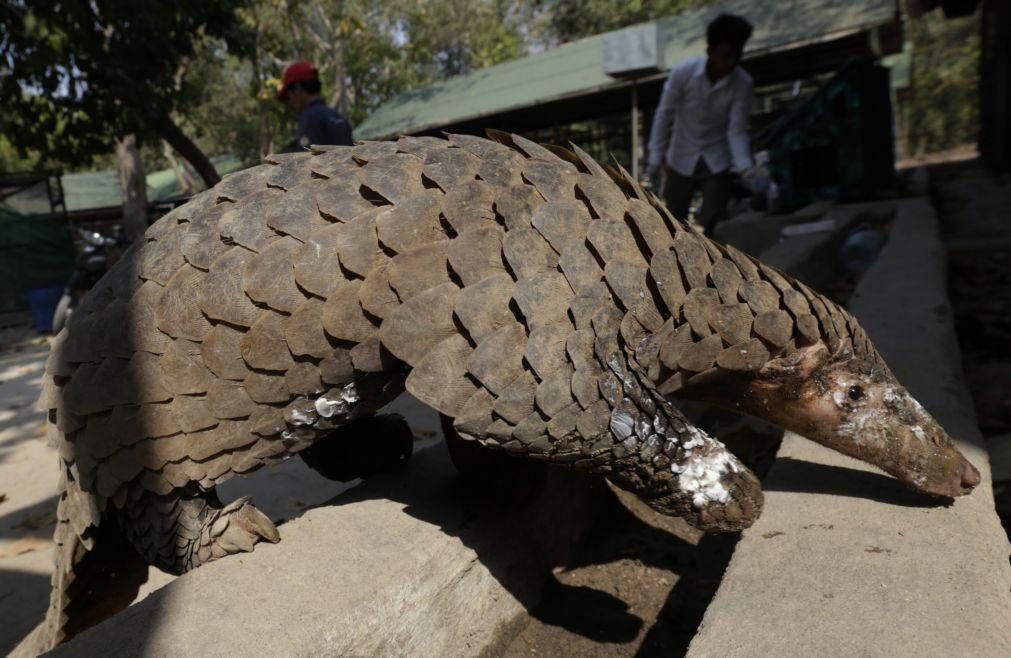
x,y
488,269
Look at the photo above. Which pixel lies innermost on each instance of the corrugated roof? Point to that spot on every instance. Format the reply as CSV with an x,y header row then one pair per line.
x,y
100,189
577,68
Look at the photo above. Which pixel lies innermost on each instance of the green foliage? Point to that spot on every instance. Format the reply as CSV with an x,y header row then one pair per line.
x,y
446,38
79,73
83,72
369,51
13,160
219,104
366,53
944,109
575,19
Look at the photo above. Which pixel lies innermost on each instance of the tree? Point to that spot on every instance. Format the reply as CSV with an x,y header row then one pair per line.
x,y
230,96
569,20
77,72
12,160
366,52
452,37
944,108
226,105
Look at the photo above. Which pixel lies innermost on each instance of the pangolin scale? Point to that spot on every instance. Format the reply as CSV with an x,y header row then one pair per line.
x,y
545,302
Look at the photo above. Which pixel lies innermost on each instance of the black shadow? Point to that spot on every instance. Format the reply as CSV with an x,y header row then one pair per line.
x,y
810,477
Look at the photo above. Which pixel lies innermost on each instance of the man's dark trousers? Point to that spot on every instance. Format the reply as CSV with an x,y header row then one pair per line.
x,y
678,190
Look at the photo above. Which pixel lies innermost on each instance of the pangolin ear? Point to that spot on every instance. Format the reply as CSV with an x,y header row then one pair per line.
x,y
799,364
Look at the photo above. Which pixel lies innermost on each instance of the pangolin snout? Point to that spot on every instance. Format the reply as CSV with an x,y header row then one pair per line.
x,y
962,481
956,480
969,478
921,452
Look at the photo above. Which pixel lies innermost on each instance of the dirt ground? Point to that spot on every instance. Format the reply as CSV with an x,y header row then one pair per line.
x,y
979,283
973,205
640,582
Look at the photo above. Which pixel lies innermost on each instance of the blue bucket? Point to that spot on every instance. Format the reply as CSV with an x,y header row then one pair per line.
x,y
42,303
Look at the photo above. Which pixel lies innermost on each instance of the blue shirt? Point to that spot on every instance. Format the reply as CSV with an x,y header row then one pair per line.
x,y
319,124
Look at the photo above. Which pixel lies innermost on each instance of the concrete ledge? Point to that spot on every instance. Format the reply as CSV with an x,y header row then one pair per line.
x,y
811,257
754,232
814,257
846,561
414,565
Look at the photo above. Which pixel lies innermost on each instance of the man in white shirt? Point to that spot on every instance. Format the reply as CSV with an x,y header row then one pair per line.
x,y
700,130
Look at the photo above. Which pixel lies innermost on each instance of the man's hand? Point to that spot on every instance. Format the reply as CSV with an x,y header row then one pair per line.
x,y
650,177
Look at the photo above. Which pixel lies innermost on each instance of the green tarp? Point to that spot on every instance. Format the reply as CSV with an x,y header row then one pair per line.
x,y
35,252
37,248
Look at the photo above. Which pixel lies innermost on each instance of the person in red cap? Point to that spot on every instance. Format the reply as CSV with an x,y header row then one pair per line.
x,y
317,123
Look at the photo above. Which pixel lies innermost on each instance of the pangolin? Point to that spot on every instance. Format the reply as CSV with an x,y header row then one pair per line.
x,y
545,302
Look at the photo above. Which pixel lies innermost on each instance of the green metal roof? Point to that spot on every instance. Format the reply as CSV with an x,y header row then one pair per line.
x,y
576,68
100,189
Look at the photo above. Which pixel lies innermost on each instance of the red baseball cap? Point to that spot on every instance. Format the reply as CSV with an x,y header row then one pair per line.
x,y
298,72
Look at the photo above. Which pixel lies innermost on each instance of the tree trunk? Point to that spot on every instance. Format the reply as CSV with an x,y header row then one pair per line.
x,y
185,147
340,95
187,183
266,130
133,185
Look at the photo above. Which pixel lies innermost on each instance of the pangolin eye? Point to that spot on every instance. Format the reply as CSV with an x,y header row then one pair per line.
x,y
856,393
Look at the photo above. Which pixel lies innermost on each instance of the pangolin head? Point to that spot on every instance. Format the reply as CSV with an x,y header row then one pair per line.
x,y
849,400
853,403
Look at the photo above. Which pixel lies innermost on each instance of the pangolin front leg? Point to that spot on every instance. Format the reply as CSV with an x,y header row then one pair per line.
x,y
632,435
183,530
672,465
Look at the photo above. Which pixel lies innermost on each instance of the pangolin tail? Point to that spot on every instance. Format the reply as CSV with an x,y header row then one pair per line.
x,y
96,573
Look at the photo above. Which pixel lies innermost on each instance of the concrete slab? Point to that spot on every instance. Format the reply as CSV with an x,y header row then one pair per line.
x,y
810,258
754,232
412,565
844,560
814,257
761,235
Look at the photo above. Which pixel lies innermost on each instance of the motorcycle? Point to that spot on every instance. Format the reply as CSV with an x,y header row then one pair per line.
x,y
98,252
